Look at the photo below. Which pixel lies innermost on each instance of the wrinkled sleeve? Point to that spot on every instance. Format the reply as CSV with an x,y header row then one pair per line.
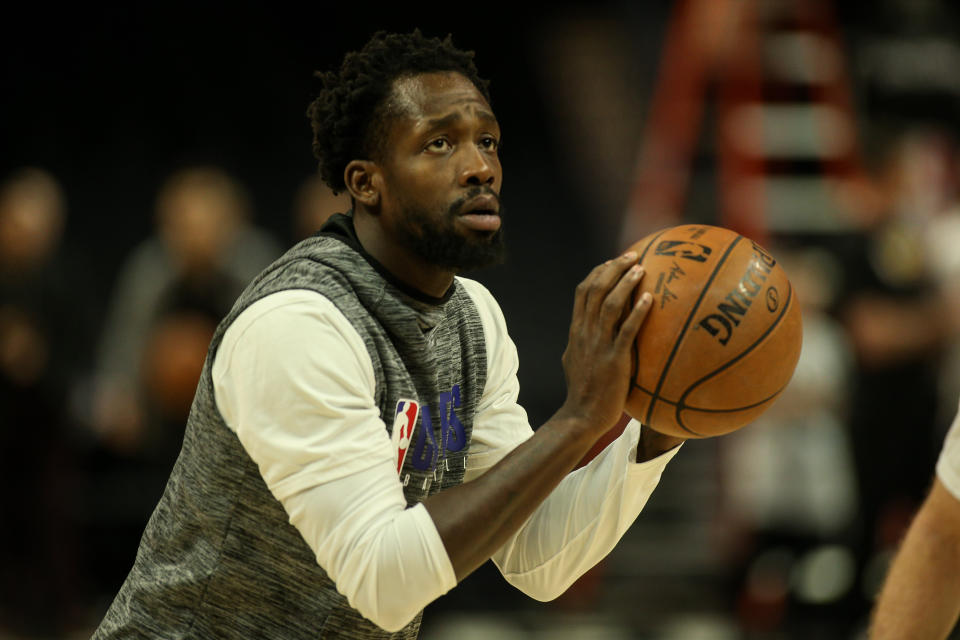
x,y
588,512
294,380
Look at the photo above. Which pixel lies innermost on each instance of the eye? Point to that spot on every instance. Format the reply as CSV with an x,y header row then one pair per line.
x,y
489,143
439,144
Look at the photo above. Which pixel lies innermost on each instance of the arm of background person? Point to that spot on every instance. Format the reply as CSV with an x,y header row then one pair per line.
x,y
920,599
118,406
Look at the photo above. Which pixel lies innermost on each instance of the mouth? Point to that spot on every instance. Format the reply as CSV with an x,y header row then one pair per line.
x,y
481,213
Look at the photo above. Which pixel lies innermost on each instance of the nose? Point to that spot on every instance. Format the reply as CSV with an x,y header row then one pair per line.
x,y
478,168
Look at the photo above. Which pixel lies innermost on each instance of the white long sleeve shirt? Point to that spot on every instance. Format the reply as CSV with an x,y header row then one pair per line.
x,y
293,379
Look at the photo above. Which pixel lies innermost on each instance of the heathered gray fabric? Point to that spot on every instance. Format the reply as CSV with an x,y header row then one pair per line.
x,y
218,558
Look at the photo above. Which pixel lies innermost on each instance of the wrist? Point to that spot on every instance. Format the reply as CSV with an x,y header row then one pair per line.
x,y
576,426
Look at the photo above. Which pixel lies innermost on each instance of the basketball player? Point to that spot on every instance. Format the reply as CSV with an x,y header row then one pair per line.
x,y
355,447
921,597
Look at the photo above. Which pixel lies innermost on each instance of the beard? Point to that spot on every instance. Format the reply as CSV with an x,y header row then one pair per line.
x,y
437,240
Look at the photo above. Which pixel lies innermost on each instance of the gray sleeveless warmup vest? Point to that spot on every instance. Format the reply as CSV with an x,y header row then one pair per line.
x,y
219,558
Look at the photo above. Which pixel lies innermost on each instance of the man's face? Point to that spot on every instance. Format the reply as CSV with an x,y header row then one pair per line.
x,y
441,171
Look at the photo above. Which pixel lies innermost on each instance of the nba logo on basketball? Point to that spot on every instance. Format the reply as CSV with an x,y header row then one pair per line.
x,y
404,422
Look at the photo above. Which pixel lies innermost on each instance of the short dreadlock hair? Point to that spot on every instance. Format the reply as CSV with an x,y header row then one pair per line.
x,y
350,114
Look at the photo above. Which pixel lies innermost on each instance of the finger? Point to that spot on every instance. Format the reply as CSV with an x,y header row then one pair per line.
x,y
598,284
617,303
586,290
631,326
582,292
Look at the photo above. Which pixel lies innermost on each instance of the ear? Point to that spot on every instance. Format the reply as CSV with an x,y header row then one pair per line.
x,y
363,180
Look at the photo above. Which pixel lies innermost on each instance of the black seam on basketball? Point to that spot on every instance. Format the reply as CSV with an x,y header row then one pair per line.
x,y
691,407
676,343
643,254
681,405
645,390
718,411
635,365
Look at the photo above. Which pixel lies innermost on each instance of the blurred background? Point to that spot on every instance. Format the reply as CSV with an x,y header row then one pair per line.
x,y
155,156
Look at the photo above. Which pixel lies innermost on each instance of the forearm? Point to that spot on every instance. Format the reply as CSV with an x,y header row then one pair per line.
x,y
582,519
921,597
478,517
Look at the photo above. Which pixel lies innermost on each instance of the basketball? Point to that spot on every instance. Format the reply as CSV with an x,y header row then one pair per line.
x,y
722,337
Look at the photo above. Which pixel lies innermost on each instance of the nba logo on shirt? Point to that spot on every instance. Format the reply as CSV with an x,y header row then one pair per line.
x,y
403,423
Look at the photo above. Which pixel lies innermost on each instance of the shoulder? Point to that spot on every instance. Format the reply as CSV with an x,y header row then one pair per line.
x,y
318,263
295,323
287,333
284,310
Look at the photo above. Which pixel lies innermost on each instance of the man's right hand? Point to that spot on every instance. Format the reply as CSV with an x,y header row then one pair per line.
x,y
599,356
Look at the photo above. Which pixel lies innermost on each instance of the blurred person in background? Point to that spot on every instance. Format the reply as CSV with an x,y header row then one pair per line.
x,y
896,314
204,252
45,327
920,599
170,294
932,164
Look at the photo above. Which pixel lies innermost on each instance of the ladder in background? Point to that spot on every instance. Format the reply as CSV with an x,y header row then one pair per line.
x,y
784,148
